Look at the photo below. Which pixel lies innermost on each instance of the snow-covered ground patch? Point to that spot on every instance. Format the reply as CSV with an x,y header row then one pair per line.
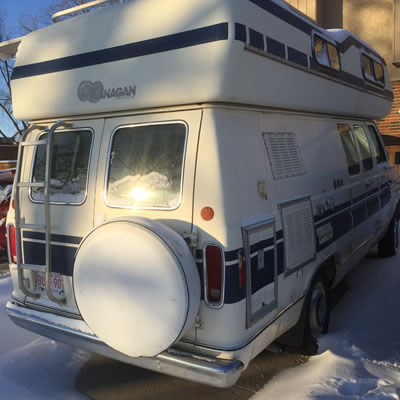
x,y
33,367
360,357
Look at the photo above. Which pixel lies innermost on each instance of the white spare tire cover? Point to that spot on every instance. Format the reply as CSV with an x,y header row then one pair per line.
x,y
136,285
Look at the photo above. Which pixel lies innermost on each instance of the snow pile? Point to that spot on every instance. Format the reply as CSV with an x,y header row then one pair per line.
x,y
33,367
360,357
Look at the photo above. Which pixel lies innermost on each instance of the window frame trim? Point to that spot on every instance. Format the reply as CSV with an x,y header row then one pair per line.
x,y
107,172
370,81
323,38
355,147
91,130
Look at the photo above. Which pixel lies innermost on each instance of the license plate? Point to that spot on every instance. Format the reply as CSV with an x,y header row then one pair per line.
x,y
56,282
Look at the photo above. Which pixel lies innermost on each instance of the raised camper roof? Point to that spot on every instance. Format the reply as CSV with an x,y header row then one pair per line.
x,y
154,53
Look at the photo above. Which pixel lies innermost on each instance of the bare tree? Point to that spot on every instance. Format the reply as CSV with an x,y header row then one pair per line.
x,y
6,68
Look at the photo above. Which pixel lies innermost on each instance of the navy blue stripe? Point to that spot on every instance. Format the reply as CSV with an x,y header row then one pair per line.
x,y
304,26
297,56
372,206
276,48
62,257
352,41
265,275
327,214
359,198
349,78
256,39
285,15
359,215
138,49
240,33
54,237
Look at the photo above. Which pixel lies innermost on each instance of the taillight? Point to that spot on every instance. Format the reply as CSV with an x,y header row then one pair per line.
x,y
242,269
12,244
214,275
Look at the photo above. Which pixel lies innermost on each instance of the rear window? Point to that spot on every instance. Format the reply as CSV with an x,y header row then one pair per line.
x,y
146,166
70,162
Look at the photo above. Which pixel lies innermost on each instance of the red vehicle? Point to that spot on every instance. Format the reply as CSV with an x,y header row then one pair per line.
x,y
6,182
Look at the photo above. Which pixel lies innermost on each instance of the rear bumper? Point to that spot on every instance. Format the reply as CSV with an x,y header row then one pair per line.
x,y
182,364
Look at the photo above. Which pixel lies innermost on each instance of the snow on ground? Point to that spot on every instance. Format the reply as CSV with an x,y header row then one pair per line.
x,y
33,367
360,357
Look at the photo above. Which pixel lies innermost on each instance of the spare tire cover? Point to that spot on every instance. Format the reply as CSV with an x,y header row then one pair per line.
x,y
136,285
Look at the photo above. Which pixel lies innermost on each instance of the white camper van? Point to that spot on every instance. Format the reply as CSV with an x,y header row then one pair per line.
x,y
196,176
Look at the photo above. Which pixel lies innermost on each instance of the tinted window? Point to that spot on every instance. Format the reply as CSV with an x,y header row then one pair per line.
x,y
379,75
326,53
377,148
350,150
70,161
363,145
334,57
146,166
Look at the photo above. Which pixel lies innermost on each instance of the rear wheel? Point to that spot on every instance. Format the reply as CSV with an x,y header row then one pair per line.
x,y
317,317
388,245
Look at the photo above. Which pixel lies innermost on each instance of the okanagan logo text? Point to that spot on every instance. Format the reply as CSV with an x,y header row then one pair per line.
x,y
95,91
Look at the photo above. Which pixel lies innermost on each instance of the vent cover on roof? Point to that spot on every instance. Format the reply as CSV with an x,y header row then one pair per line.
x,y
298,228
284,155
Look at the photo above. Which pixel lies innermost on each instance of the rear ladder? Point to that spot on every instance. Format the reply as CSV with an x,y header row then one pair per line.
x,y
20,222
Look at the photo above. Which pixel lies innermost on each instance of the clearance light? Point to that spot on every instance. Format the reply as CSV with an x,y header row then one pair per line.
x,y
12,244
140,194
214,275
207,213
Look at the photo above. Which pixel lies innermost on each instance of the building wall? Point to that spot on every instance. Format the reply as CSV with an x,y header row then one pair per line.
x,y
371,21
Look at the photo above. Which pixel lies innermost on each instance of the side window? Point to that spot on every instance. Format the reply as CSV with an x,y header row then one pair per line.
x,y
378,151
353,163
363,145
70,162
326,54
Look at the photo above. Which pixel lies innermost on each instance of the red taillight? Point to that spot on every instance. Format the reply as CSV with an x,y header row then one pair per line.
x,y
242,269
214,274
12,244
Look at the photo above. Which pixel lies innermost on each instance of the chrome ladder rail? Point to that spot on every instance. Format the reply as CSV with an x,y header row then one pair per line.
x,y
20,222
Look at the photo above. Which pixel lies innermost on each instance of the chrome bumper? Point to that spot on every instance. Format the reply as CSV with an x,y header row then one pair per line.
x,y
182,364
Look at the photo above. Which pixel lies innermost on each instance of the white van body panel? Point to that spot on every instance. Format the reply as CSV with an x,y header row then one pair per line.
x,y
222,124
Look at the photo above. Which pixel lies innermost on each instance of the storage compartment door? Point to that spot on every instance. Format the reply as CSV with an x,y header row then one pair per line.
x,y
261,269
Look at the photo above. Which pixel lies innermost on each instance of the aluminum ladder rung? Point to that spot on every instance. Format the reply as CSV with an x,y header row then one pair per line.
x,y
31,184
37,227
34,143
34,267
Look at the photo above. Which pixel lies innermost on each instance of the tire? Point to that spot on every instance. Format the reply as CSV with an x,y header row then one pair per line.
x,y
388,245
317,315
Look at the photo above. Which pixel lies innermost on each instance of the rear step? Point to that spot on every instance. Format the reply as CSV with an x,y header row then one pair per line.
x,y
20,222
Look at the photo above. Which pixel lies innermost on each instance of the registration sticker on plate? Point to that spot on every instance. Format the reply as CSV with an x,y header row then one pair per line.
x,y
56,282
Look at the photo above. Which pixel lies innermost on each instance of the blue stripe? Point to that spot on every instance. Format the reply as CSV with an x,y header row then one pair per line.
x,y
62,257
276,48
54,237
296,21
162,44
240,33
285,15
256,39
297,56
